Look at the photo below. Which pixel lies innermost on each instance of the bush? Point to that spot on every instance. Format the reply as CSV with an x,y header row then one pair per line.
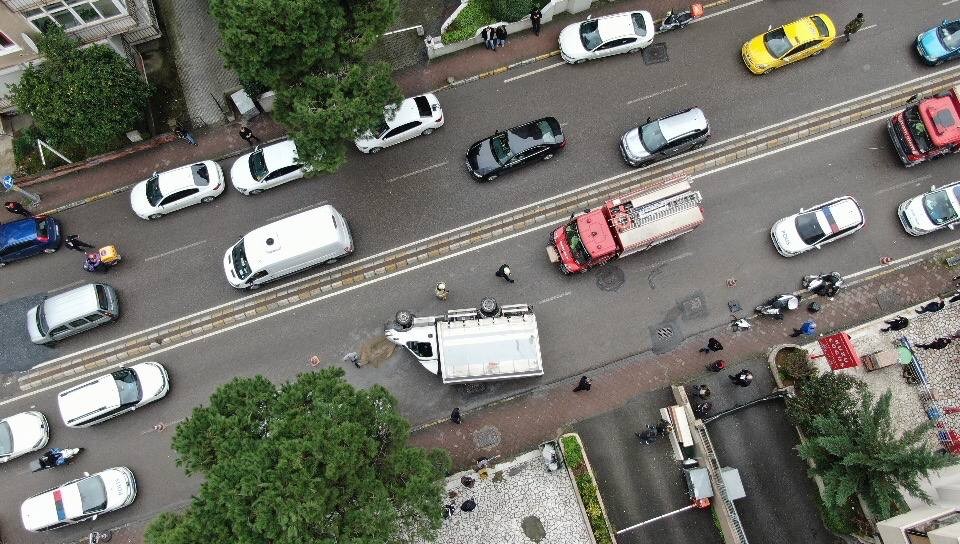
x,y
794,364
823,395
510,10
587,488
476,15
25,153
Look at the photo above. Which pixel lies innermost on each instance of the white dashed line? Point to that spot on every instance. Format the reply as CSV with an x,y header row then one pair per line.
x,y
67,286
537,71
913,181
658,93
172,251
555,297
298,210
415,172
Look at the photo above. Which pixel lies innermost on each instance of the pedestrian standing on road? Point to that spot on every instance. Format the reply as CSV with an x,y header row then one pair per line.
x,y
807,329
75,243
455,416
648,436
501,35
535,18
504,272
717,365
743,378
931,307
853,26
897,324
248,135
701,409
939,343
583,385
712,345
441,291
702,391
184,134
17,208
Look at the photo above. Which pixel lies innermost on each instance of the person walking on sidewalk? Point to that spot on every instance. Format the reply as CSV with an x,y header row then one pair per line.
x,y
897,324
455,416
807,329
583,385
743,378
75,243
939,343
248,135
712,345
702,391
535,18
17,209
504,272
853,26
931,307
501,35
441,291
184,134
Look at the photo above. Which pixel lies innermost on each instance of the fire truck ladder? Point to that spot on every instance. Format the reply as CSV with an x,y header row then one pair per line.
x,y
655,212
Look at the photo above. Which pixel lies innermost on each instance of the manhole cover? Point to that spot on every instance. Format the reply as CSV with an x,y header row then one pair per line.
x,y
665,336
486,437
693,307
609,278
533,528
655,53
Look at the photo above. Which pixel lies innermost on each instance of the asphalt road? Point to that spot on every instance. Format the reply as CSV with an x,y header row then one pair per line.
x,y
581,324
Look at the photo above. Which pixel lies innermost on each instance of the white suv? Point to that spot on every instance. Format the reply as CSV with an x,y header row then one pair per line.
x,y
119,392
417,116
79,500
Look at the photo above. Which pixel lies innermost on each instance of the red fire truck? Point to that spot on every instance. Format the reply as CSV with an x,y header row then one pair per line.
x,y
640,220
928,129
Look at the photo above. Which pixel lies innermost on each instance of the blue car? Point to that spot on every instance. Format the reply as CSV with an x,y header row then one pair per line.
x,y
27,237
940,43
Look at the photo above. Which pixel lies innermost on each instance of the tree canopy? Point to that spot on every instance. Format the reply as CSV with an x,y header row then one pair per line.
x,y
312,53
310,461
81,100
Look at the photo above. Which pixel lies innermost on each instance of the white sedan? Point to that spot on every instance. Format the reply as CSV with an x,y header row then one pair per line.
x,y
822,224
416,116
22,433
172,190
627,32
79,500
929,212
266,167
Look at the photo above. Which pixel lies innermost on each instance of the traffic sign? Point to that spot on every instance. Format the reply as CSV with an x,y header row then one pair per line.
x,y
7,182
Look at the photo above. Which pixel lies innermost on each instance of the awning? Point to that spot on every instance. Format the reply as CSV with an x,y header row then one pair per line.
x,y
839,351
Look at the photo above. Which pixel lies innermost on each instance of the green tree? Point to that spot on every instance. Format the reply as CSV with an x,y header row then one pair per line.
x,y
310,461
81,100
822,395
860,455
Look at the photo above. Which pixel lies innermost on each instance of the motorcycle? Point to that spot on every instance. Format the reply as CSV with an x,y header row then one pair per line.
x,y
55,457
777,305
102,260
826,285
681,19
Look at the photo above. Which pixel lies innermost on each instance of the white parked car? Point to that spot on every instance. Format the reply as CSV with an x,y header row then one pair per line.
x,y
266,167
79,500
932,211
175,189
417,116
822,224
627,32
22,433
119,392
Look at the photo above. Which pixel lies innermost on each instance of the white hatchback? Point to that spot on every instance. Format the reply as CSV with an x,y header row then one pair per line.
x,y
108,396
932,211
266,167
822,224
627,32
417,116
22,433
79,500
172,190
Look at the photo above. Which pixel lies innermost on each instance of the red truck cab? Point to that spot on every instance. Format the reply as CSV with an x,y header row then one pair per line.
x,y
928,129
584,242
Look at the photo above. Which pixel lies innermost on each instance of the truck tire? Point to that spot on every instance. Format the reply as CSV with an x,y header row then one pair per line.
x,y
489,307
404,319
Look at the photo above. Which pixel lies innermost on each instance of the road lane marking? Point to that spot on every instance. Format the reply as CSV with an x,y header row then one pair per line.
x,y
913,181
948,2
415,172
555,297
721,12
298,210
67,286
537,71
658,93
172,251
658,264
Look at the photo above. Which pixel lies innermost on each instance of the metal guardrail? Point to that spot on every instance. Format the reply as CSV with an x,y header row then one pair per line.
x,y
719,489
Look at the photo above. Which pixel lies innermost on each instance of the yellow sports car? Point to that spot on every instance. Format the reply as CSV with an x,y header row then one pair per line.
x,y
791,42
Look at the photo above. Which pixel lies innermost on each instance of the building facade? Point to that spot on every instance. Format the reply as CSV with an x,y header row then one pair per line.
x,y
937,523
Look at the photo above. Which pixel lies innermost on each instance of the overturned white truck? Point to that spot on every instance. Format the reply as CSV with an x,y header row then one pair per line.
x,y
472,344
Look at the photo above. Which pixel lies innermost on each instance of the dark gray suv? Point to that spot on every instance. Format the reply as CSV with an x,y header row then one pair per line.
x,y
665,137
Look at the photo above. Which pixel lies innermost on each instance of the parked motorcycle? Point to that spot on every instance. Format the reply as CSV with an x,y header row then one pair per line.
x,y
826,285
102,260
54,457
681,18
777,305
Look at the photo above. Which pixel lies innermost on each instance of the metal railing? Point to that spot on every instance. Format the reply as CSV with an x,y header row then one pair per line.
x,y
719,489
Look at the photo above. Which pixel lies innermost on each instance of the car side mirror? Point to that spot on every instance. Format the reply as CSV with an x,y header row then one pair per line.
x,y
818,246
945,21
589,16
86,473
649,119
154,174
769,28
933,187
951,226
801,210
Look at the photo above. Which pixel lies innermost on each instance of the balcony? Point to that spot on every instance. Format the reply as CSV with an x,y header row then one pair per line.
x,y
97,31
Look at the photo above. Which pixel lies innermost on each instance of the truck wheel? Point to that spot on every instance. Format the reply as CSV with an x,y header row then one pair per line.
x,y
404,319
489,307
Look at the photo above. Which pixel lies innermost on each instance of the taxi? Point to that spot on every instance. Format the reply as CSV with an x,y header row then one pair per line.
x,y
789,43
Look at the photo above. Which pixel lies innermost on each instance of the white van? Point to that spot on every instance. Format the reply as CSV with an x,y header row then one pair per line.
x,y
316,236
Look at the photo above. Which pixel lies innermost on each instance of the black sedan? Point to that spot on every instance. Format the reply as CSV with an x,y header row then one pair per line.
x,y
535,141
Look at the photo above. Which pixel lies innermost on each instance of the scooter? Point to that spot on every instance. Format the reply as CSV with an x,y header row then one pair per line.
x,y
823,284
777,305
681,19
102,260
55,457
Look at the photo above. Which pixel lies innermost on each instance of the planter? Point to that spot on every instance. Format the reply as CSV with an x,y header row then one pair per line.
x,y
588,496
781,359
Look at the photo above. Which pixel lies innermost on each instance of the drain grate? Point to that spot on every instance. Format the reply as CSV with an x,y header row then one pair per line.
x,y
665,332
665,336
655,53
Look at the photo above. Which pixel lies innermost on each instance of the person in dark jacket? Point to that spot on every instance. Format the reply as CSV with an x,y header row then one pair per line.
x,y
712,345
583,385
75,243
931,307
489,38
501,35
455,416
853,26
743,378
939,343
897,324
17,209
535,17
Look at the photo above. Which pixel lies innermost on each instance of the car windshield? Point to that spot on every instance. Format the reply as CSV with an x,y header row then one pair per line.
x,y
639,25
41,321
580,253
777,43
154,196
93,494
590,35
6,439
821,26
500,147
128,386
258,166
939,208
651,137
950,35
240,264
201,177
808,227
911,116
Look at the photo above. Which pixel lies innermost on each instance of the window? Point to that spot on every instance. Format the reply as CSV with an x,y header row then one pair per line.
x,y
179,195
803,47
421,349
7,45
616,43
402,128
73,13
